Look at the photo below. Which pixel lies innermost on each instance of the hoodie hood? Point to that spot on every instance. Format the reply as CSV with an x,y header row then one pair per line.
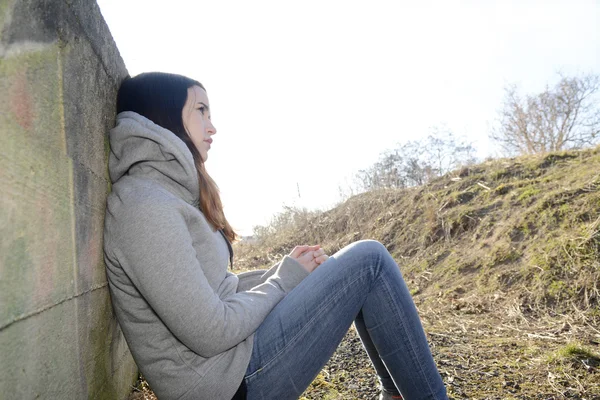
x,y
141,148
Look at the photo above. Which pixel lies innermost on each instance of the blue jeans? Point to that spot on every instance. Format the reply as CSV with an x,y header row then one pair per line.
x,y
362,284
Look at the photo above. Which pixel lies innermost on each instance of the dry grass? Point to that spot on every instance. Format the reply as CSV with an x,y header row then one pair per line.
x,y
524,229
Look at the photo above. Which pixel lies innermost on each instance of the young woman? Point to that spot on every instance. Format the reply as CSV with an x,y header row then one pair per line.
x,y
198,331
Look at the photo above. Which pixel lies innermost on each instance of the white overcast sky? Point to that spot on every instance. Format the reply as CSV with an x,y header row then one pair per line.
x,y
306,93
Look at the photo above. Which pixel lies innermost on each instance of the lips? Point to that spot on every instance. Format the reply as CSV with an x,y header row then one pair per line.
x,y
209,141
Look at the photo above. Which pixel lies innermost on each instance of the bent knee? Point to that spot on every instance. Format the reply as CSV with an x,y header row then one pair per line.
x,y
368,246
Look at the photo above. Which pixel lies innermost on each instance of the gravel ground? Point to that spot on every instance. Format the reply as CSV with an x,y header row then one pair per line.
x,y
348,374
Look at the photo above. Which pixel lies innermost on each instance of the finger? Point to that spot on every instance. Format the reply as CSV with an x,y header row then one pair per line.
x,y
314,247
313,264
307,256
298,251
308,262
310,248
319,252
321,259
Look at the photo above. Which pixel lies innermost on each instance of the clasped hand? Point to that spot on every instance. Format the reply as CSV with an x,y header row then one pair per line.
x,y
310,257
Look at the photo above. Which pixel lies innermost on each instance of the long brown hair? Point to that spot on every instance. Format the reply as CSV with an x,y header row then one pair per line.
x,y
160,97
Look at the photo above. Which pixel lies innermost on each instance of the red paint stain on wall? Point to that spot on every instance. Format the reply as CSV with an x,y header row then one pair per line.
x,y
20,101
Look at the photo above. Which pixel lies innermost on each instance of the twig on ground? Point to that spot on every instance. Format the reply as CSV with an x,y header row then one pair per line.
x,y
533,335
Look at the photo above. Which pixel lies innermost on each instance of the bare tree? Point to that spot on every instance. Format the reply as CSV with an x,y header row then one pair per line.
x,y
416,162
444,152
564,116
384,173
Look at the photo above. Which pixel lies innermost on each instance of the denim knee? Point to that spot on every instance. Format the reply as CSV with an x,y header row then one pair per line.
x,y
364,254
368,247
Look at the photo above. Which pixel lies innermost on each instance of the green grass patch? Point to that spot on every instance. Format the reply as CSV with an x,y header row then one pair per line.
x,y
575,352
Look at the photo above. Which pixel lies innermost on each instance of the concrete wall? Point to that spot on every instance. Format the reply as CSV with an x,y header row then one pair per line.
x,y
59,73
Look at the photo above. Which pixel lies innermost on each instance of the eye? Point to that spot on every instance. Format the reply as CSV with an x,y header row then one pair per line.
x,y
202,109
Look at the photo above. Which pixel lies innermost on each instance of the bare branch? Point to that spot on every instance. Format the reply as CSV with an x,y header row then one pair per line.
x,y
564,116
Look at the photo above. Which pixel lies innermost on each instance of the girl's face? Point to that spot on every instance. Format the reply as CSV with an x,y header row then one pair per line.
x,y
196,120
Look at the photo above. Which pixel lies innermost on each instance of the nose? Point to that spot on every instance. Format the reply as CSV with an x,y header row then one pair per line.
x,y
211,130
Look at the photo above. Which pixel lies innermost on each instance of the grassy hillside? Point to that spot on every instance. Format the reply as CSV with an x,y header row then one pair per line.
x,y
503,260
514,231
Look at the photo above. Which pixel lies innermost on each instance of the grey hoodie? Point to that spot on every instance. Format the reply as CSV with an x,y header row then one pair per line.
x,y
188,321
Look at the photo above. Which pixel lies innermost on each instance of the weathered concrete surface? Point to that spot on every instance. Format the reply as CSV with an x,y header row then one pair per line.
x,y
59,73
